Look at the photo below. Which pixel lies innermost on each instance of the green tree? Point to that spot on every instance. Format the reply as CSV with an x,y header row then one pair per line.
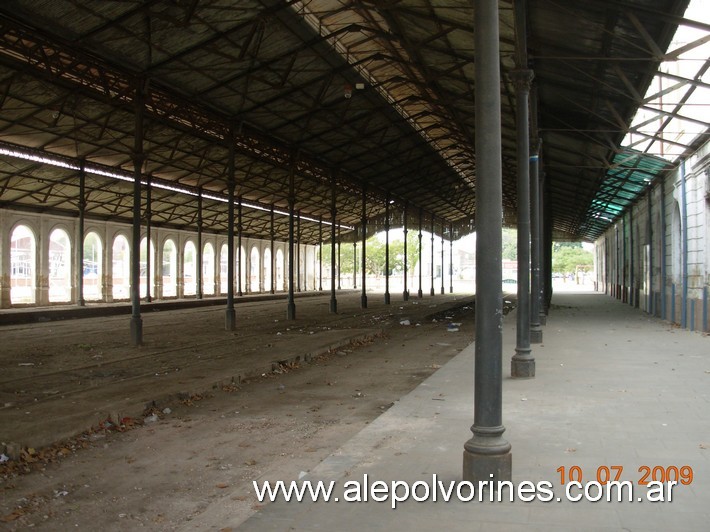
x,y
568,258
510,244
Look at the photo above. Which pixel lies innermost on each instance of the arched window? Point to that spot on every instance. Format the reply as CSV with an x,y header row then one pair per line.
x,y
279,269
254,273
208,269
145,274
189,276
92,267
169,272
59,267
223,263
23,258
267,270
121,261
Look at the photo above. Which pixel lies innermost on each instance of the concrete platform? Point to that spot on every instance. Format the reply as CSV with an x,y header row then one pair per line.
x,y
614,387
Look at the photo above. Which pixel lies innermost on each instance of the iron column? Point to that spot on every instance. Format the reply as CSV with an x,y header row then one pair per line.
x,y
523,363
138,157
291,306
200,258
387,250
535,246
442,259
363,297
405,293
451,258
487,455
419,292
239,247
333,213
80,241
320,253
431,291
272,274
230,317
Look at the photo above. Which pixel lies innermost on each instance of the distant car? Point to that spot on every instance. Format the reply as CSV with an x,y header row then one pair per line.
x,y
510,285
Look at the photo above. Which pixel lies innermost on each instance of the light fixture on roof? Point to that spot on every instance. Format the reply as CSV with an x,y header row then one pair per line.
x,y
348,91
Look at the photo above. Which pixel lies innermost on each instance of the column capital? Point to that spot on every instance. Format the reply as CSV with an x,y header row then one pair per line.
x,y
521,78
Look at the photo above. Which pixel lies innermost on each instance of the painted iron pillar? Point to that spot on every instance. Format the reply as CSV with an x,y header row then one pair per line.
x,y
523,363
230,316
487,455
333,214
536,312
138,158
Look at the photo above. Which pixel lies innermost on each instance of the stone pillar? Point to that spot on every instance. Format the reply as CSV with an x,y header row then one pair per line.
x,y
199,292
431,267
240,260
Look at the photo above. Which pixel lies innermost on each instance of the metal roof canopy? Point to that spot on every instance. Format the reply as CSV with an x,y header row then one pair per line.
x,y
375,94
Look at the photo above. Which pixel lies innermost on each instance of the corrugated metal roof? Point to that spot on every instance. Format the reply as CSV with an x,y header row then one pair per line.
x,y
367,93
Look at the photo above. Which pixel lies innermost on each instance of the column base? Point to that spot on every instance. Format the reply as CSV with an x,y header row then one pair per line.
x,y
543,318
535,335
230,319
431,292
443,291
420,294
363,301
333,306
387,298
405,295
481,465
522,366
136,331
291,310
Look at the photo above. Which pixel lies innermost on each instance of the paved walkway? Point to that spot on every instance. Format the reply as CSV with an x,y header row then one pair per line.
x,y
614,387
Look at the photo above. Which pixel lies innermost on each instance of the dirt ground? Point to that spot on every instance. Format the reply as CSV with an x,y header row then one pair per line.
x,y
191,466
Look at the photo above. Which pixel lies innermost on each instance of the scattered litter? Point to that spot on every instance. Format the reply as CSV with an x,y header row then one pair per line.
x,y
167,411
301,475
4,458
453,327
523,398
437,399
571,450
704,446
26,364
278,333
443,344
153,418
60,493
280,387
405,322
358,394
417,324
